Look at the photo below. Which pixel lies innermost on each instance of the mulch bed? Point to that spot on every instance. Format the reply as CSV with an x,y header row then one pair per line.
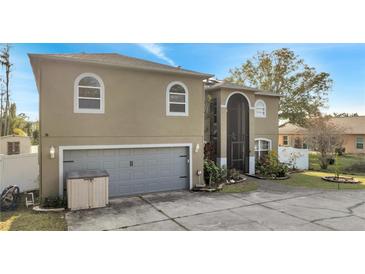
x,y
217,188
261,177
341,180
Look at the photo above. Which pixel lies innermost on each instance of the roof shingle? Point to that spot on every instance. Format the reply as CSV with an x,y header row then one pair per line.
x,y
350,125
116,59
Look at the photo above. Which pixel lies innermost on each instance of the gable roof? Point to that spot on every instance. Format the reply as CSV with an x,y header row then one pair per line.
x,y
229,85
289,128
115,59
350,125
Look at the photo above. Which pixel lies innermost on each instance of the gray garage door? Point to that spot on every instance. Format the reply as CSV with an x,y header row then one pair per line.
x,y
135,171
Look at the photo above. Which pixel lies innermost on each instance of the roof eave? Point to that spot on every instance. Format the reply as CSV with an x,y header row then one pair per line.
x,y
182,72
268,94
33,65
256,91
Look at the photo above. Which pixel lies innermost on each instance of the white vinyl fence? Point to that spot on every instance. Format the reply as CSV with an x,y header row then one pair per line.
x,y
297,157
34,149
21,170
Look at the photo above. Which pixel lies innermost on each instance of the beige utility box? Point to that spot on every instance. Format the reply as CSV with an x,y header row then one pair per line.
x,y
87,189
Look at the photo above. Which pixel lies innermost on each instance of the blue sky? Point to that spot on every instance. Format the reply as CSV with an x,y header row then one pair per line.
x,y
344,62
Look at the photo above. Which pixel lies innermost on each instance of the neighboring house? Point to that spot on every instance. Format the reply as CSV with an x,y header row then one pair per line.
x,y
291,135
353,133
141,121
241,124
13,144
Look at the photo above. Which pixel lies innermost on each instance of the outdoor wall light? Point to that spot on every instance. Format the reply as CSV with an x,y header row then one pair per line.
x,y
197,147
52,152
199,173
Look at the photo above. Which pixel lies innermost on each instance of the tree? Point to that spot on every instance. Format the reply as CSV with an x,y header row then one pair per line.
x,y
35,133
5,91
10,121
324,137
282,72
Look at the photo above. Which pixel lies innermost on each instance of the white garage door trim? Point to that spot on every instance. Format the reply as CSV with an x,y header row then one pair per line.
x,y
63,148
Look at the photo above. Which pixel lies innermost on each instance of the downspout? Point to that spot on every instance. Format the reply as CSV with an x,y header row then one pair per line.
x,y
39,74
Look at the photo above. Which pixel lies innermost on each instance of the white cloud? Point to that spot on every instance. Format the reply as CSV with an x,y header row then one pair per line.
x,y
158,51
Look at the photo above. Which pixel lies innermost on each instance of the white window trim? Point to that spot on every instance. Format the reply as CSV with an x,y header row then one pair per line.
x,y
170,113
265,109
76,94
259,146
356,142
237,92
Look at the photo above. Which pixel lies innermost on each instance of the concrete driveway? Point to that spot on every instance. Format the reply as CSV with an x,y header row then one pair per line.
x,y
272,207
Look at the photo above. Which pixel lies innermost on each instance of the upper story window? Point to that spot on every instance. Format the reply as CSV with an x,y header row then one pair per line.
x,y
260,109
360,142
177,103
89,94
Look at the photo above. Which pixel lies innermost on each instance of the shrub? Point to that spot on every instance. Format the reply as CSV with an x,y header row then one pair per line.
x,y
270,166
331,161
209,151
340,151
213,173
234,174
357,167
54,202
323,162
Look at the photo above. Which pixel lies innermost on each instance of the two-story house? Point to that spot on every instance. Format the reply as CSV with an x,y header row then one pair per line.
x,y
143,122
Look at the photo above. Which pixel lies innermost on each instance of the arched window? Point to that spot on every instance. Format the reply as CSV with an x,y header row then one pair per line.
x,y
177,103
260,109
89,94
262,147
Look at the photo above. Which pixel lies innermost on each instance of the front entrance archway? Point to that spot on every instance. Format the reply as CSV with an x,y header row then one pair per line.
x,y
238,133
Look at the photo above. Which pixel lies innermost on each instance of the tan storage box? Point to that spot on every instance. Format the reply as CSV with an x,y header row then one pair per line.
x,y
87,189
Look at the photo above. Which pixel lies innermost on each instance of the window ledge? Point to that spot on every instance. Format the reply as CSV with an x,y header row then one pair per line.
x,y
177,114
89,111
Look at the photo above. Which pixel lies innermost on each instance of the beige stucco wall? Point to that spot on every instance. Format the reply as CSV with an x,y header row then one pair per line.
x,y
268,127
349,143
258,127
24,142
135,113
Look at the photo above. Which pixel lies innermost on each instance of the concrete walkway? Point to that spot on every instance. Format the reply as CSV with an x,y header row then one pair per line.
x,y
271,207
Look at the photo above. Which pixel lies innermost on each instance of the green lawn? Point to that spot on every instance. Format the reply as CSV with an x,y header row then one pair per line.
x,y
312,179
25,219
240,187
348,163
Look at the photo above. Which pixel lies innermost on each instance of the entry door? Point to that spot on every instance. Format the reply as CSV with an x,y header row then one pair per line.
x,y
135,171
